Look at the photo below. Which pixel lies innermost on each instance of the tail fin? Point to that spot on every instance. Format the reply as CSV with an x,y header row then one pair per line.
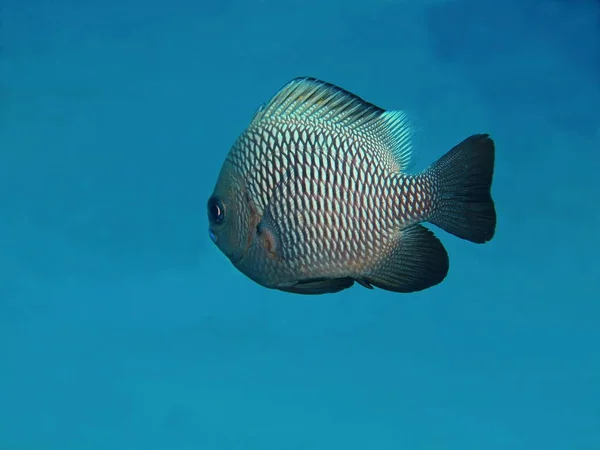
x,y
463,203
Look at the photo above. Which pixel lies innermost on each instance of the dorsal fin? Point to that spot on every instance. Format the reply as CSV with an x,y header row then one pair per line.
x,y
396,132
320,101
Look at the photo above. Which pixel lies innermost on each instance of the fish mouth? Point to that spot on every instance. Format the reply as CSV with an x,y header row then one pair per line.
x,y
213,236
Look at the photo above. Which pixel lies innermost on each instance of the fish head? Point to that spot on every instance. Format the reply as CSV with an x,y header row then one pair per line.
x,y
238,227
229,215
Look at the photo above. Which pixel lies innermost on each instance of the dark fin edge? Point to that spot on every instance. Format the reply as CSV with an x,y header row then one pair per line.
x,y
319,286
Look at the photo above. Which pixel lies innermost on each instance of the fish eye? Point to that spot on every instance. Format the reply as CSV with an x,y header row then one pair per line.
x,y
216,210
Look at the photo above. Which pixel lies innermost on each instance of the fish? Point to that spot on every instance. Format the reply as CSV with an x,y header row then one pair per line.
x,y
316,194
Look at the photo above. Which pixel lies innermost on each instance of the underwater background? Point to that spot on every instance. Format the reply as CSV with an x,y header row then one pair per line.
x,y
123,327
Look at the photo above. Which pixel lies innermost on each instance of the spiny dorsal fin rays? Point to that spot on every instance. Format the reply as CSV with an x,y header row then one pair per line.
x,y
318,101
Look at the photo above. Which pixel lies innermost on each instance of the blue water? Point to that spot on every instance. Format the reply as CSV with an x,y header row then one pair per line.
x,y
123,327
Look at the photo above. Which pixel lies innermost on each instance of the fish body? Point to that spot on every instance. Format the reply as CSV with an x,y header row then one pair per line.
x,y
315,195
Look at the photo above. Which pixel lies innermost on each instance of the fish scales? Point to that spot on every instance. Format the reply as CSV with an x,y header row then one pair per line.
x,y
324,157
317,196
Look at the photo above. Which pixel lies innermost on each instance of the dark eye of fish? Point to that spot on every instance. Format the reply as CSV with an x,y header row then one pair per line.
x,y
216,210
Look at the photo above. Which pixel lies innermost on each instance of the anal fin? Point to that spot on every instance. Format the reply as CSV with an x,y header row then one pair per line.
x,y
417,262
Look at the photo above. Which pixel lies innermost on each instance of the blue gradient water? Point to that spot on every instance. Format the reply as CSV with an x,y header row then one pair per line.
x,y
123,327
